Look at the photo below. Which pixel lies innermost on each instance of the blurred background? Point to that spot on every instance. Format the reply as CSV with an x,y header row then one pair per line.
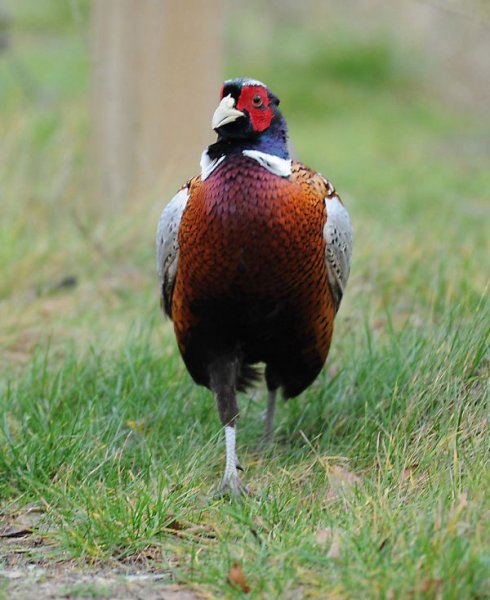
x,y
105,107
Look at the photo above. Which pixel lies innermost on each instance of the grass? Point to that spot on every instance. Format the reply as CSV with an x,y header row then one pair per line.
x,y
377,483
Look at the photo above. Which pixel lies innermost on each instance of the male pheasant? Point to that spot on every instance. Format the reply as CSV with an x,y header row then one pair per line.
x,y
253,257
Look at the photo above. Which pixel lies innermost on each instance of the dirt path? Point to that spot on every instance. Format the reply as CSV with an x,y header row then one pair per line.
x,y
29,570
36,583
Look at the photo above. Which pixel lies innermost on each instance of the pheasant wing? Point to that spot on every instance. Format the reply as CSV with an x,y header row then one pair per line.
x,y
168,246
337,233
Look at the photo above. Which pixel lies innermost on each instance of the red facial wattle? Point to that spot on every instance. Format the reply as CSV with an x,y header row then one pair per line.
x,y
260,117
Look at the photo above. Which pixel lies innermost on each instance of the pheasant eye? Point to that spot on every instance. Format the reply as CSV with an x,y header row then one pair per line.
x,y
257,101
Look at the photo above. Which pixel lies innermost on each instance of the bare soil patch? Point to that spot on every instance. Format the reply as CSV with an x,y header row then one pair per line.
x,y
29,570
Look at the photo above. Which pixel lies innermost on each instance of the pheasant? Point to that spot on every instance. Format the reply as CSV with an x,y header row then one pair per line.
x,y
253,257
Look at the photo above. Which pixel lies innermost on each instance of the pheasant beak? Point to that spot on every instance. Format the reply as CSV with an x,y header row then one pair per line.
x,y
225,113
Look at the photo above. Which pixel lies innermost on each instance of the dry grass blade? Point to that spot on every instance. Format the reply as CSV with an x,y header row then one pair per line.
x,y
21,524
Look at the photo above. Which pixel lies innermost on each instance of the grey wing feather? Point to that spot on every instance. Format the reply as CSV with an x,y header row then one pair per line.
x,y
168,246
337,233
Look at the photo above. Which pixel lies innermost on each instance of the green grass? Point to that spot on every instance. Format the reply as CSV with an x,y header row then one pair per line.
x,y
386,455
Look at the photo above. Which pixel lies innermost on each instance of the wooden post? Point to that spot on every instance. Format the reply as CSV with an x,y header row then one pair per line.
x,y
114,49
157,72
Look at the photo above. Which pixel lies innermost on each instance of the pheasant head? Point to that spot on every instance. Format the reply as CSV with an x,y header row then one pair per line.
x,y
248,116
